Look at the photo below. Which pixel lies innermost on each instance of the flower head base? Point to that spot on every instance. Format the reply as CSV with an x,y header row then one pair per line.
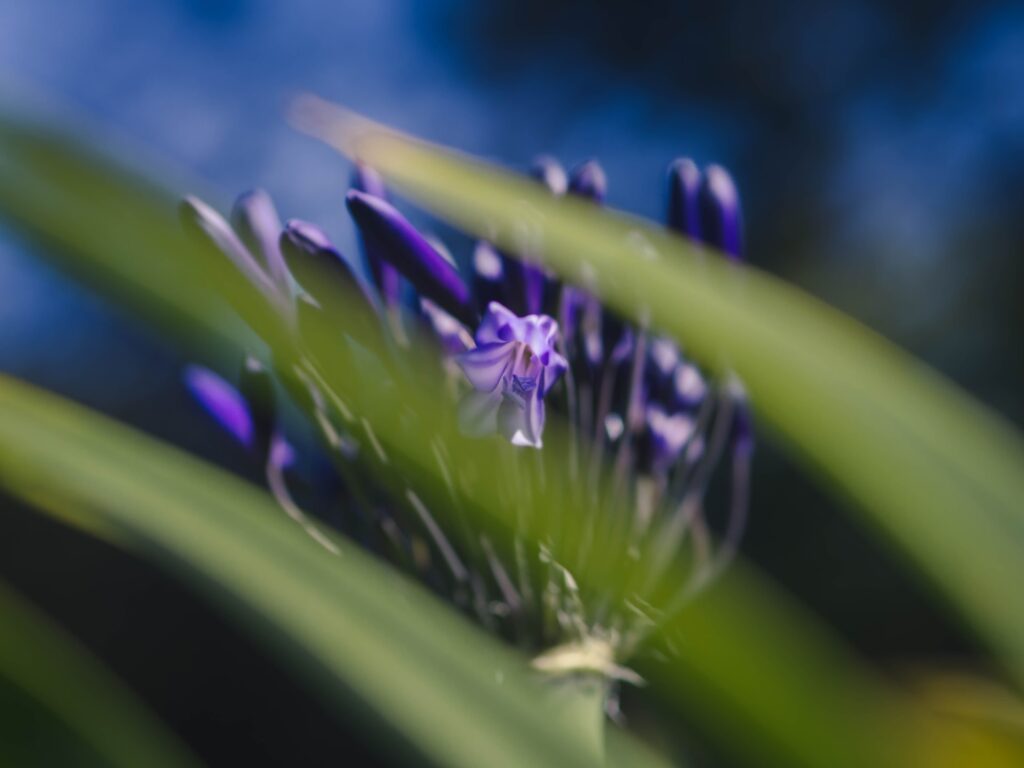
x,y
512,368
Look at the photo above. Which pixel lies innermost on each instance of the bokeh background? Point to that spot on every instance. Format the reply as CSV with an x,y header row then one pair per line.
x,y
879,148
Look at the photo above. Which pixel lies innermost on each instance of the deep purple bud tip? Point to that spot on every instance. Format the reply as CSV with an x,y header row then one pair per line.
x,y
551,174
721,224
308,237
312,258
683,192
366,179
222,401
400,244
589,180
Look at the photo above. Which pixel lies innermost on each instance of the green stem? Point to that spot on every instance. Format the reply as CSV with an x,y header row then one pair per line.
x,y
582,698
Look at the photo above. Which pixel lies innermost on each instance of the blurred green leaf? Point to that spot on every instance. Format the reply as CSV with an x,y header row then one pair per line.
x,y
59,705
366,636
934,469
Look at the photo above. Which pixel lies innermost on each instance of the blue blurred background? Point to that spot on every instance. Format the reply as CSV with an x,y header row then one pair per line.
x,y
879,147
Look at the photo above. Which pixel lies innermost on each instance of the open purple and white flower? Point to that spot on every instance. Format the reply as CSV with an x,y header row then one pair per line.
x,y
512,368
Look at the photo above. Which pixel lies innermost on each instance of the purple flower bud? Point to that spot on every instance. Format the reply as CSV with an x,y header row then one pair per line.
x,y
688,386
664,356
385,277
366,179
683,197
588,180
513,367
550,173
534,282
570,312
312,258
307,237
442,250
282,454
720,220
256,221
319,269
662,360
222,401
249,289
668,435
197,216
406,249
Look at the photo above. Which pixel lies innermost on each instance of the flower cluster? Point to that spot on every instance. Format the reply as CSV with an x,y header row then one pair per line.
x,y
516,341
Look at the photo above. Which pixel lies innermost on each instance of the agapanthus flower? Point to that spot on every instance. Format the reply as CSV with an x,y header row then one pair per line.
x,y
514,341
511,369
